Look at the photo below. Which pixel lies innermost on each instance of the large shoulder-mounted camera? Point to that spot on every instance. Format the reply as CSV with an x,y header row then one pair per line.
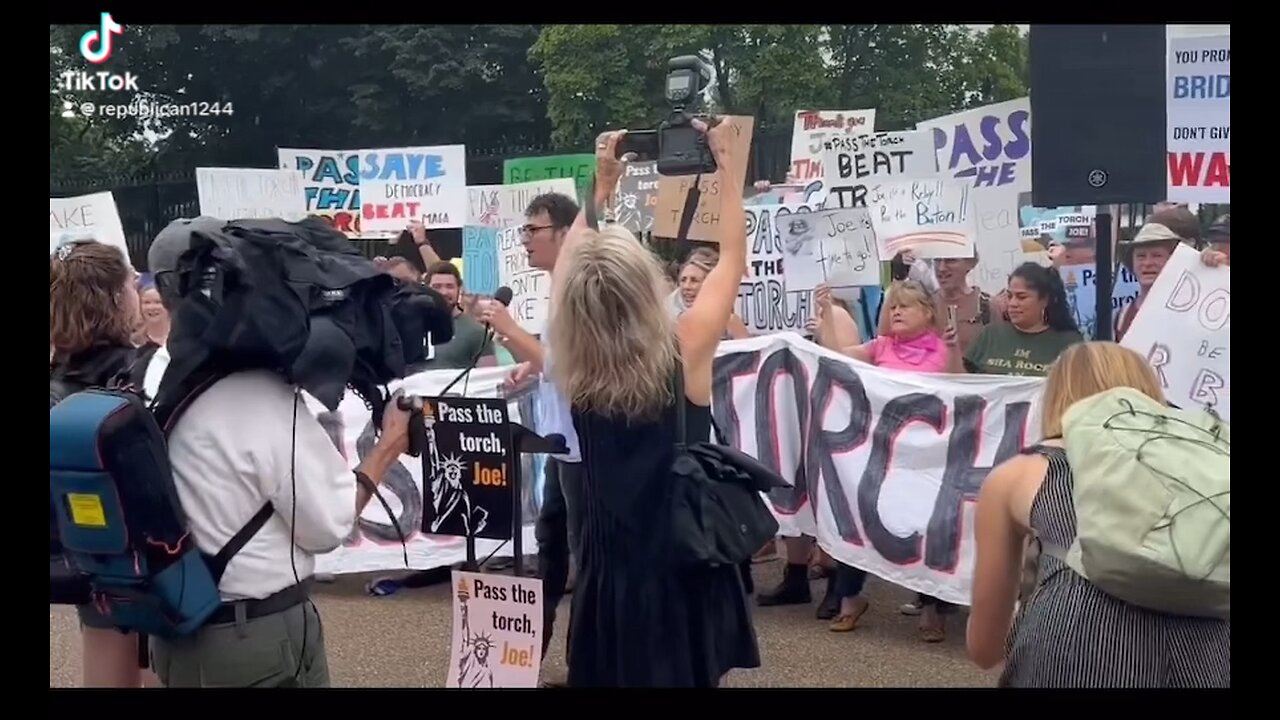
x,y
677,146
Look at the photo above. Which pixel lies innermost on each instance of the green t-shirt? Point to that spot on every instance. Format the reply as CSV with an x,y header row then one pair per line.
x,y
1002,349
468,336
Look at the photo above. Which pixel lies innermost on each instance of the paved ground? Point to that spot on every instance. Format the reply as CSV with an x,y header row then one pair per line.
x,y
402,641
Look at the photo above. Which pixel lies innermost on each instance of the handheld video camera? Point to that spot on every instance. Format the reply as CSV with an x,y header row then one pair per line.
x,y
678,147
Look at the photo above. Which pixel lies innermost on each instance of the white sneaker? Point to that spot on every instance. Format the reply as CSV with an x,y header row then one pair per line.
x,y
913,609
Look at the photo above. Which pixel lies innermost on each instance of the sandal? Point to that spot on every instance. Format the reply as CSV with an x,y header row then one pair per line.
x,y
849,622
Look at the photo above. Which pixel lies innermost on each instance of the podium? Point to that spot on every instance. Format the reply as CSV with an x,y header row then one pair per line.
x,y
525,442
480,469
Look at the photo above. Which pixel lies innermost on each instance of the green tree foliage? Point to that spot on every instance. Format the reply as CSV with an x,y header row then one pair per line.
x,y
908,73
509,88
310,86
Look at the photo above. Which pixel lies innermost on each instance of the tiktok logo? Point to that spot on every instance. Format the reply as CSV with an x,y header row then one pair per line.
x,y
101,38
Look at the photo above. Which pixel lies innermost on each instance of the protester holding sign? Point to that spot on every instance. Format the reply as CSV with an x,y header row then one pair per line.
x,y
639,621
910,341
1040,327
1149,251
1071,633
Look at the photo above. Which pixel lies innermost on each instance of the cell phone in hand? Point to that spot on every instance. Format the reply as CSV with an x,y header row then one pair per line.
x,y
951,317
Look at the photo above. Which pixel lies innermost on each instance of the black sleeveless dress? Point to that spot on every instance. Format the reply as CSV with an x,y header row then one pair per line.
x,y
637,621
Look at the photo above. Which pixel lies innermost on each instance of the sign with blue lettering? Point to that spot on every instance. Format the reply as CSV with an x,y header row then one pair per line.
x,y
988,146
399,185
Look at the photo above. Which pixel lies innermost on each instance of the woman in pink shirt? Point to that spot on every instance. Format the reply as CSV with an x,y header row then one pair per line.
x,y
909,339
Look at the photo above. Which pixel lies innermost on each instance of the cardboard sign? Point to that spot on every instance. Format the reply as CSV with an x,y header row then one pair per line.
x,y
672,191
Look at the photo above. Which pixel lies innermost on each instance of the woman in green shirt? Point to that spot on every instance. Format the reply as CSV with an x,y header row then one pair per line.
x,y
1040,327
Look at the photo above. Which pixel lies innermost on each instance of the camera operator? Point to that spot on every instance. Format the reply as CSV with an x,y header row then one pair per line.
x,y
248,439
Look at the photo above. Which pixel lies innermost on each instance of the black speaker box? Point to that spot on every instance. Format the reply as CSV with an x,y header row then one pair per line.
x,y
1098,114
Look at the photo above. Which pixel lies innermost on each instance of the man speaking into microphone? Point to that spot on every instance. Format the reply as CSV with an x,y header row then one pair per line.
x,y
470,338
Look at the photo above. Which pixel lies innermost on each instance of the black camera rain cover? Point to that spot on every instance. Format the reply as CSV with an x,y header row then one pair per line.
x,y
252,292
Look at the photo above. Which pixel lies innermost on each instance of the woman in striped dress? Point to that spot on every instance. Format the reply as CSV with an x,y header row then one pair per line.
x,y
1070,633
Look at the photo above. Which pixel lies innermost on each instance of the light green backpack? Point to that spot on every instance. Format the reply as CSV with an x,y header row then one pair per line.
x,y
1153,503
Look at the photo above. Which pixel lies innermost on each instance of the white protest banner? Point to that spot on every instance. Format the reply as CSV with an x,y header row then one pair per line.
x,y
812,127
500,206
932,218
530,287
853,164
248,193
422,183
86,217
1199,119
835,247
990,147
497,631
374,544
891,461
330,185
1184,330
764,302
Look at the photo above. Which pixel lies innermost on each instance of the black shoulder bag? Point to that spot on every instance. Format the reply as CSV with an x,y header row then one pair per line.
x,y
718,514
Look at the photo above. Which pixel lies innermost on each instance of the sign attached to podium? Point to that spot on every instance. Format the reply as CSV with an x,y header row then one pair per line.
x,y
469,467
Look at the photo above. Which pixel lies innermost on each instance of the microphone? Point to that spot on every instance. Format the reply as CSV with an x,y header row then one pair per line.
x,y
502,295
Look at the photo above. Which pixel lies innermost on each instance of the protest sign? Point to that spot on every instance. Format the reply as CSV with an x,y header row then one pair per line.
x,y
932,218
469,454
86,217
988,146
498,206
895,500
1080,282
1184,330
428,184
835,247
530,287
672,191
251,193
579,168
330,185
764,302
637,196
812,127
480,260
852,164
497,631
1199,119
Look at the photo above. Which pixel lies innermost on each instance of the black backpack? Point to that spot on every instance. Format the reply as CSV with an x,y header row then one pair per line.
x,y
719,515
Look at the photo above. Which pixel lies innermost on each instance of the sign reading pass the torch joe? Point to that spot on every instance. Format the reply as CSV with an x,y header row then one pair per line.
x,y
468,474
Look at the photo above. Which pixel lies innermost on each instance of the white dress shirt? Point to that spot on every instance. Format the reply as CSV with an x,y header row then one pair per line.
x,y
554,413
237,446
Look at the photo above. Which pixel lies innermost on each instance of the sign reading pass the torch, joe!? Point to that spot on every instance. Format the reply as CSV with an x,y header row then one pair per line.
x,y
468,458
497,631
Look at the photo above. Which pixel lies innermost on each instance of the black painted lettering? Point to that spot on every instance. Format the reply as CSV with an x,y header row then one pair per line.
x,y
824,445
897,414
725,370
782,363
961,480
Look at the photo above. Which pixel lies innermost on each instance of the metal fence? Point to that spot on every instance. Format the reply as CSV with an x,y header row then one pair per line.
x,y
147,203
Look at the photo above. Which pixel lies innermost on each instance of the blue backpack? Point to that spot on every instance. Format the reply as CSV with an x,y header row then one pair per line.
x,y
119,520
